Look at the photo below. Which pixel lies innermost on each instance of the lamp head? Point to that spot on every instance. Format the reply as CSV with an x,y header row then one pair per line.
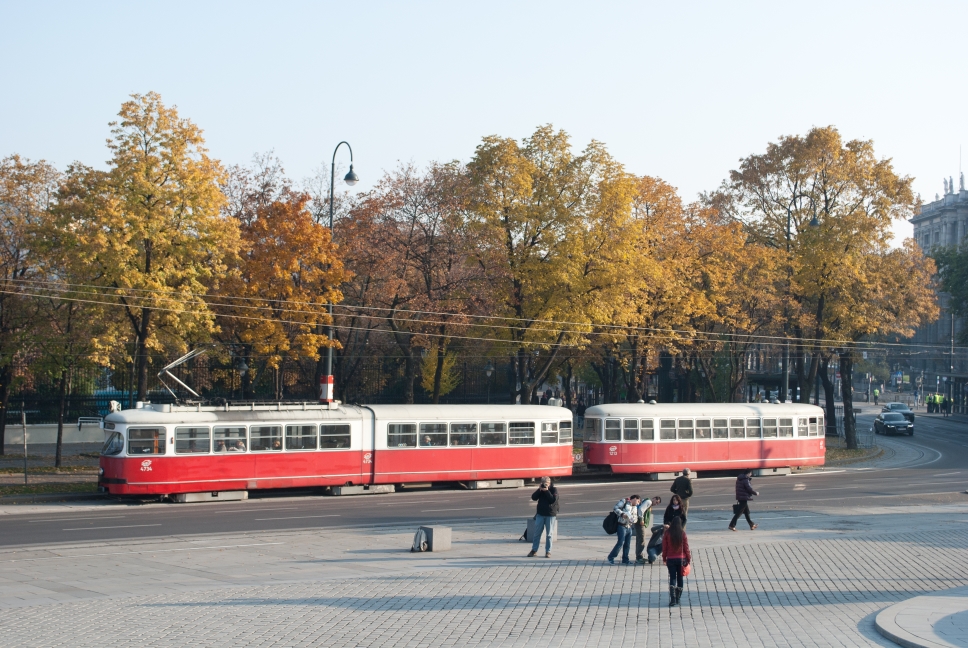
x,y
351,177
489,369
814,222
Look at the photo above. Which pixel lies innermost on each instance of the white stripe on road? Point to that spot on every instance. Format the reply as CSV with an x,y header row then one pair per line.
x,y
71,519
297,517
127,526
476,508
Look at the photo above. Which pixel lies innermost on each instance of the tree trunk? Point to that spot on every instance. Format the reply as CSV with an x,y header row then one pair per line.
x,y
142,363
62,401
438,372
409,376
6,375
846,378
829,397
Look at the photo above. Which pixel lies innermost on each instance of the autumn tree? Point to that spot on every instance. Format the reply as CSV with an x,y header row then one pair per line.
x,y
151,227
826,207
272,301
27,191
547,222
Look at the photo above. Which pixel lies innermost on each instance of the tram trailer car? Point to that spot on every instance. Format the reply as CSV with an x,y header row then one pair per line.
x,y
172,449
658,439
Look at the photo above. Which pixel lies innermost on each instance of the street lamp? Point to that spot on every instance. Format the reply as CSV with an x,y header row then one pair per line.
x,y
488,370
326,382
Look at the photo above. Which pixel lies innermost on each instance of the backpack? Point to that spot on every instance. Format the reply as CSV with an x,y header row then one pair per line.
x,y
610,523
419,541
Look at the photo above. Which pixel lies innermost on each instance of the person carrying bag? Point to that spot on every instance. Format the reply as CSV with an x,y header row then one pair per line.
x,y
677,557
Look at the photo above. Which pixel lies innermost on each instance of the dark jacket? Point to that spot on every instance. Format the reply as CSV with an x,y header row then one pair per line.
x,y
673,513
547,501
744,489
682,487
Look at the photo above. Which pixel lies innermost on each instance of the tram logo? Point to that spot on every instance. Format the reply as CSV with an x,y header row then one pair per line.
x,y
368,458
612,450
146,465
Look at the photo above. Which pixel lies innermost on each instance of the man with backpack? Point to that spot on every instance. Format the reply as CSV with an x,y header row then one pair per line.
x,y
682,486
626,512
547,498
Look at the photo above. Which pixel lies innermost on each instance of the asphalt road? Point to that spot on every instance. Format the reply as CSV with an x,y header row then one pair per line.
x,y
932,465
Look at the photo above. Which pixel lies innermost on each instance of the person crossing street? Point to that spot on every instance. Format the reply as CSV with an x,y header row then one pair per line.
x,y
682,486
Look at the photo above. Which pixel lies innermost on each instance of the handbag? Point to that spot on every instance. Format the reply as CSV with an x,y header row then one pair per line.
x,y
737,508
687,570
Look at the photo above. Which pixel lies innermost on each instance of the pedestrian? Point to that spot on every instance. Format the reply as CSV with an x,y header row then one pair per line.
x,y
682,486
676,554
744,493
580,415
946,405
547,515
625,509
674,510
877,393
643,525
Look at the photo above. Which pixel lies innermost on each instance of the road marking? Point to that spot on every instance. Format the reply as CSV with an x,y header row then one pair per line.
x,y
296,517
71,519
475,508
266,510
957,472
127,526
800,487
138,553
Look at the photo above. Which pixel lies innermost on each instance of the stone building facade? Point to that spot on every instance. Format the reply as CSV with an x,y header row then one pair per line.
x,y
943,223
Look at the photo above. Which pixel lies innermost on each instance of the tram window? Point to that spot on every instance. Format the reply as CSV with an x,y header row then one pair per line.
x,y
521,433
812,429
265,438
433,435
667,428
752,428
300,437
630,430
493,434
114,445
549,433
769,427
613,430
334,436
564,432
804,429
463,434
402,435
786,427
192,440
736,430
593,429
704,429
648,430
229,439
821,430
146,441
720,429
686,429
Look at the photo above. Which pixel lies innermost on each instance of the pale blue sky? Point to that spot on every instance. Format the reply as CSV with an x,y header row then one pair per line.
x,y
679,90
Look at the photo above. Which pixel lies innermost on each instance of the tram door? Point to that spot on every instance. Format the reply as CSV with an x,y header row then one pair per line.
x,y
368,448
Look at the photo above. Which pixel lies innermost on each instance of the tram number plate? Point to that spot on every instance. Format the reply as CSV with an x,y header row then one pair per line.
x,y
146,465
613,451
368,458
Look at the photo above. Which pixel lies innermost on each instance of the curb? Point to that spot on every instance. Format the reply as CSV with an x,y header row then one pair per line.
x,y
886,621
51,497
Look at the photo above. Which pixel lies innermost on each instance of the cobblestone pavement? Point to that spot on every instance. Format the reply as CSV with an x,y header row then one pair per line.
x,y
805,578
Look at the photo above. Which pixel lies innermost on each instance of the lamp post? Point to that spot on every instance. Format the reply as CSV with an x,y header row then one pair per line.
x,y
326,381
489,369
785,387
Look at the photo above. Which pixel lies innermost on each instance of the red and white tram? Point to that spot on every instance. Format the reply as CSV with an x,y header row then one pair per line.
x,y
172,449
655,438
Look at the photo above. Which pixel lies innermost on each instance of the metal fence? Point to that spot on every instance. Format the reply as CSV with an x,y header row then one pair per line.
x,y
865,435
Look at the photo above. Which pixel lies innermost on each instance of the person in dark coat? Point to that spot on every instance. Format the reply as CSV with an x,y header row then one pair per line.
x,y
674,510
682,487
744,493
547,515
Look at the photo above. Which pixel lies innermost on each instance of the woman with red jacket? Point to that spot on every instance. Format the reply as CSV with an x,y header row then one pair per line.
x,y
676,554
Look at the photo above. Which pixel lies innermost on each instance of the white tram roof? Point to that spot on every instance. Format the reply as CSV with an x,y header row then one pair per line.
x,y
164,414
673,410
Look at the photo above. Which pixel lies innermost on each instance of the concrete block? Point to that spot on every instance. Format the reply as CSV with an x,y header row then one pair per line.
x,y
362,490
529,533
496,483
767,472
214,496
663,476
438,538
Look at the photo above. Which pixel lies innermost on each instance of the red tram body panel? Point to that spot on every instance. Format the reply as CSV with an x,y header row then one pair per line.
x,y
661,438
172,449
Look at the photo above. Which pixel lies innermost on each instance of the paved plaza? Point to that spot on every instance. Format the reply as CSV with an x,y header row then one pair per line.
x,y
804,578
